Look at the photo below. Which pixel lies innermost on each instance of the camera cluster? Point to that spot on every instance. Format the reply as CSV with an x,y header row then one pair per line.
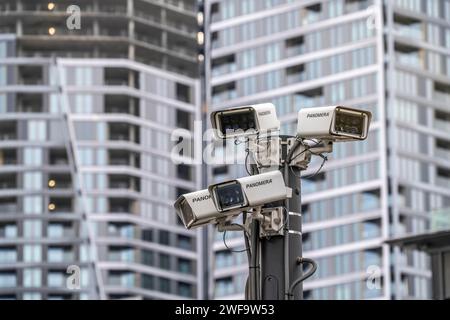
x,y
317,129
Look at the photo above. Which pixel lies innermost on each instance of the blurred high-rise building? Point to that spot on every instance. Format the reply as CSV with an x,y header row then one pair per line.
x,y
86,175
389,57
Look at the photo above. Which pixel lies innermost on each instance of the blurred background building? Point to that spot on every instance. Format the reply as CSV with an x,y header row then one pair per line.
x,y
85,136
86,118
389,57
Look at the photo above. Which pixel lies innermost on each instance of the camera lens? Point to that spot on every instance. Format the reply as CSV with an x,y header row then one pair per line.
x,y
348,122
230,195
242,120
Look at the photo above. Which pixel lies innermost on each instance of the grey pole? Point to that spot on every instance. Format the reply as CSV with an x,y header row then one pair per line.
x,y
295,231
279,254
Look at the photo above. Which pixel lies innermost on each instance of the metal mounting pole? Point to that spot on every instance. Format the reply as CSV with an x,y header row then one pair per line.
x,y
279,266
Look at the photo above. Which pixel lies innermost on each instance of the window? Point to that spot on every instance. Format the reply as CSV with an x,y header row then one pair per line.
x,y
371,229
183,119
147,235
335,8
148,281
55,230
183,93
446,13
164,285
32,296
227,9
83,76
32,229
184,242
32,156
57,254
55,279
3,101
164,261
8,254
54,103
86,156
433,8
223,259
83,103
148,257
247,6
248,86
8,230
32,277
3,78
184,172
272,80
184,266
164,237
248,59
3,49
272,52
185,289
8,279
32,253
37,130
32,181
312,13
224,287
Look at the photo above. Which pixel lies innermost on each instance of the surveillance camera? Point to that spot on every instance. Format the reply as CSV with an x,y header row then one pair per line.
x,y
244,121
249,191
196,209
334,123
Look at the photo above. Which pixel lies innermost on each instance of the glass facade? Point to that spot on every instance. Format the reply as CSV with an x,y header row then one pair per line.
x,y
86,175
389,57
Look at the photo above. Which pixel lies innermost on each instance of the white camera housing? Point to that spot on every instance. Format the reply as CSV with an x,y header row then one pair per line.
x,y
196,209
251,191
245,121
335,123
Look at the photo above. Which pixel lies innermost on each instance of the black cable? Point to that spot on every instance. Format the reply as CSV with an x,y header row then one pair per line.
x,y
307,147
246,238
294,147
225,243
246,161
303,277
325,158
297,155
320,168
238,142
293,172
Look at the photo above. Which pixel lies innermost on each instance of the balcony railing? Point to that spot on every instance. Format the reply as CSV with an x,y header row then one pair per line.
x,y
409,31
8,136
30,81
60,257
61,233
441,125
441,96
182,5
8,208
412,59
7,185
125,256
443,182
59,31
113,9
124,233
442,153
